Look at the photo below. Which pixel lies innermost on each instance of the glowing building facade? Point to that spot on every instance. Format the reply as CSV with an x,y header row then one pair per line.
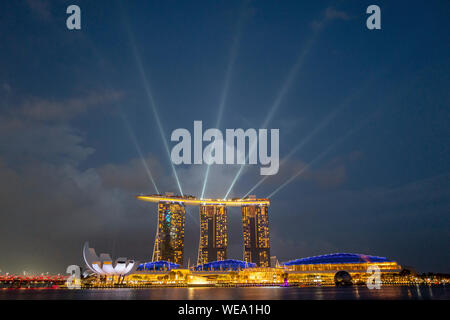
x,y
169,242
324,269
213,234
255,224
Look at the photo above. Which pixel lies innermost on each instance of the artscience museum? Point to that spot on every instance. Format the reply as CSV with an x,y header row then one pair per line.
x,y
103,264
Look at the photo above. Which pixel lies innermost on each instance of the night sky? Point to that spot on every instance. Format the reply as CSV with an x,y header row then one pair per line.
x,y
364,115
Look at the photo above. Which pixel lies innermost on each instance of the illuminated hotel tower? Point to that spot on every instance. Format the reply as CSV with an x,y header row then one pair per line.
x,y
213,233
169,242
255,224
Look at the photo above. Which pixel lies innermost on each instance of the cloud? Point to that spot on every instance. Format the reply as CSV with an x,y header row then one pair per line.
x,y
23,141
55,110
327,175
38,129
131,175
52,209
333,174
51,204
405,223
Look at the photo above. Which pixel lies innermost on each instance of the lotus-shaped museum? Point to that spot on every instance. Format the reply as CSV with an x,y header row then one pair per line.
x,y
103,264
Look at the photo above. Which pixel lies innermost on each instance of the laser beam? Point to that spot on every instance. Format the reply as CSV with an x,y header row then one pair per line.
x,y
281,94
322,124
325,122
270,114
302,170
290,78
322,154
302,143
153,107
223,98
139,151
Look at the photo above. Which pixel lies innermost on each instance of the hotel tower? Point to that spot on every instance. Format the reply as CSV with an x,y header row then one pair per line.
x,y
255,225
213,233
169,242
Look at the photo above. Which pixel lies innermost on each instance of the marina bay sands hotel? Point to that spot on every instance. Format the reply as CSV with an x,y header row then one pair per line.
x,y
169,242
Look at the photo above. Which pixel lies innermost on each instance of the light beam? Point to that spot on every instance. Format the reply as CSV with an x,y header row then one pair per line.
x,y
139,151
281,94
153,107
322,154
302,143
324,123
223,98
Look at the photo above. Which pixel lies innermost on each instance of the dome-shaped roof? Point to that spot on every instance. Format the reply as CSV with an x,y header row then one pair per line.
x,y
337,258
157,266
225,264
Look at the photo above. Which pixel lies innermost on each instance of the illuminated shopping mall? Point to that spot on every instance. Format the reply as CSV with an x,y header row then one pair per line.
x,y
214,268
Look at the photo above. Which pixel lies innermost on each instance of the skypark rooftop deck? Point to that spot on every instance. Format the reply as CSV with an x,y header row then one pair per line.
x,y
193,201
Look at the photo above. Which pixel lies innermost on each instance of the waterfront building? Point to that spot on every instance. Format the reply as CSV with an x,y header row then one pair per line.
x,y
255,225
104,267
273,261
169,242
213,233
224,265
157,266
323,268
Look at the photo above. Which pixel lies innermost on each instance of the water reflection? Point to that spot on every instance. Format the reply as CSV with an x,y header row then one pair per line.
x,y
418,291
358,297
254,293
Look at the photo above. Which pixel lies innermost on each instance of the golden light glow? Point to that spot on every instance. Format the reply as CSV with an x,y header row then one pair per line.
x,y
169,242
213,234
301,275
255,225
207,202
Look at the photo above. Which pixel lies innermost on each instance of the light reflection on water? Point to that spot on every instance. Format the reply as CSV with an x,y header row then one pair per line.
x,y
261,293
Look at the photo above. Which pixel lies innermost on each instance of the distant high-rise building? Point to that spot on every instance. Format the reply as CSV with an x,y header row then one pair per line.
x,y
273,261
169,242
255,224
213,233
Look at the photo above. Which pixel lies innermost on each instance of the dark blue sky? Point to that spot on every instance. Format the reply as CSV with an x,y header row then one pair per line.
x,y
377,101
